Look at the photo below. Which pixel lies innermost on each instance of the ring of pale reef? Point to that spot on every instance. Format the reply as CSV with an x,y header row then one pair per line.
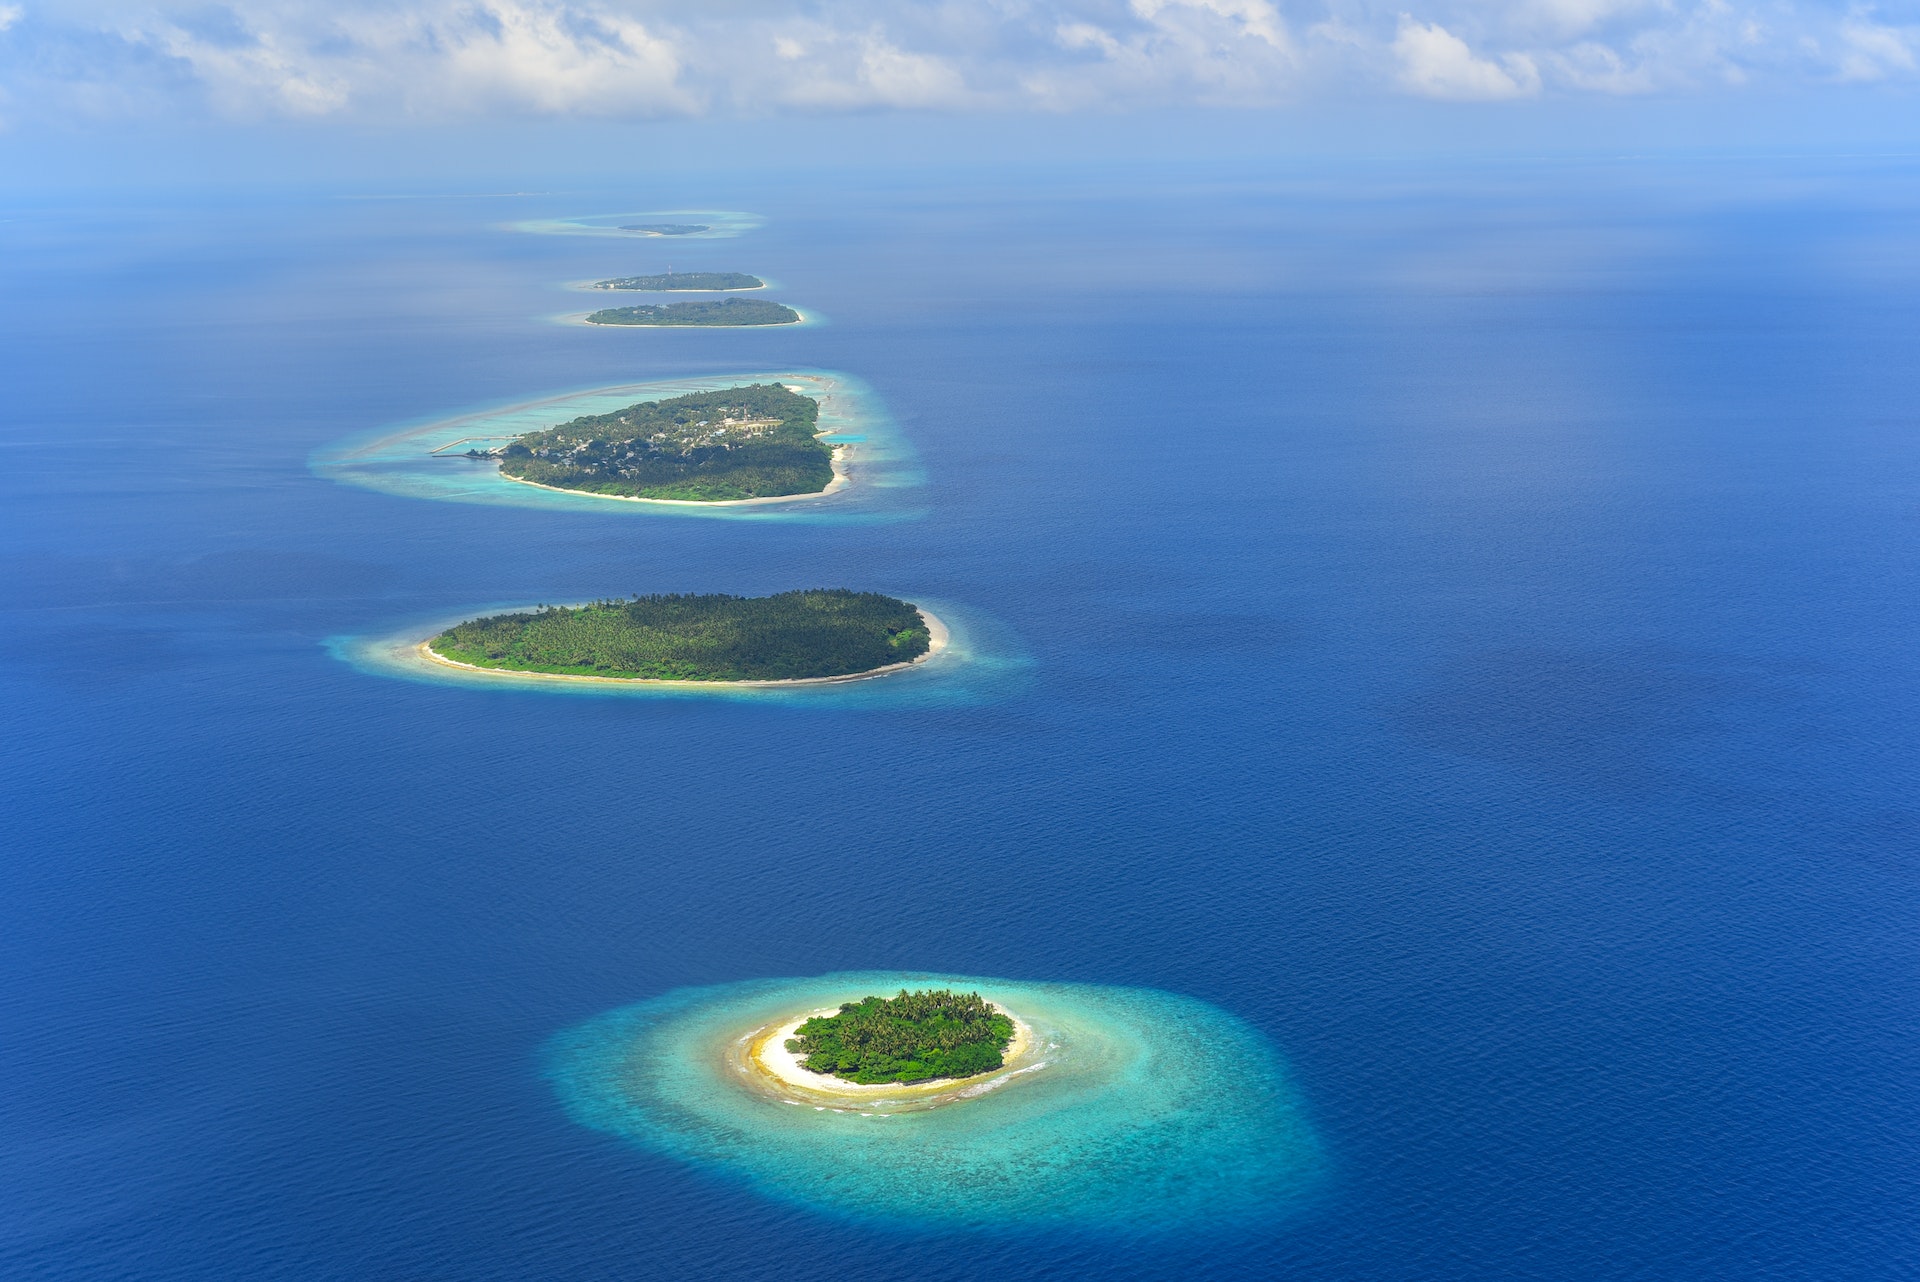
x,y
1116,1110
656,228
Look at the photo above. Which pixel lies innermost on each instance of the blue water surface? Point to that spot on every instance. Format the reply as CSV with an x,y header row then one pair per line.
x,y
1468,621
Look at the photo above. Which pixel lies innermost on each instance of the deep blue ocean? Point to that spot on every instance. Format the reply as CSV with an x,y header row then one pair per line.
x,y
1469,625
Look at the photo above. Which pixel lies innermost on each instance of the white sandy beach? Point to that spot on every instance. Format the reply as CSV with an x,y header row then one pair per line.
x,y
938,638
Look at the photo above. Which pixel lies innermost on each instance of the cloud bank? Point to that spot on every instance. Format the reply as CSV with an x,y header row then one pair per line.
x,y
437,60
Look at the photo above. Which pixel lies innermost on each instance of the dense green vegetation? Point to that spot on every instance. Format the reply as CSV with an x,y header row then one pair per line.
x,y
723,311
741,443
820,632
668,229
668,281
915,1037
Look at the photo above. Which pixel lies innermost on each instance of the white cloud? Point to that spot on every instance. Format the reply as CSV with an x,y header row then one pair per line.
x,y
1084,35
869,71
1435,63
1559,20
1599,68
248,77
901,79
1874,52
1188,51
555,59
1255,19
382,59
433,60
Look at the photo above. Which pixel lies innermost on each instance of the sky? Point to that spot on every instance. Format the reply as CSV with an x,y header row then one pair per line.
x,y
84,77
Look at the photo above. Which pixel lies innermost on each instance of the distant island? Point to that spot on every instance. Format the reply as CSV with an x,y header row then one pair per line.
x,y
670,281
751,442
813,634
915,1037
667,229
725,311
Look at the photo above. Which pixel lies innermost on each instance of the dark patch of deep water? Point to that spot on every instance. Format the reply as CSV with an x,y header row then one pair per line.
x,y
1471,628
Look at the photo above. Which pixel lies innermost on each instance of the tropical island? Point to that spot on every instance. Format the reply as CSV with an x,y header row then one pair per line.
x,y
816,634
743,443
667,229
725,311
914,1037
671,281
1116,1111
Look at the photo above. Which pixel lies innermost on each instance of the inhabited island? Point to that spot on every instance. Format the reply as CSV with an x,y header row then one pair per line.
x,y
672,282
724,311
811,635
915,1037
667,229
753,442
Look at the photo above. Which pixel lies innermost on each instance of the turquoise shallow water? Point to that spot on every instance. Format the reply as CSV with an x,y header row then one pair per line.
x,y
720,224
422,459
1147,1112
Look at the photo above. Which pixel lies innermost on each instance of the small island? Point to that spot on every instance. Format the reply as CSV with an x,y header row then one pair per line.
x,y
673,282
817,634
725,311
914,1037
667,229
743,444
